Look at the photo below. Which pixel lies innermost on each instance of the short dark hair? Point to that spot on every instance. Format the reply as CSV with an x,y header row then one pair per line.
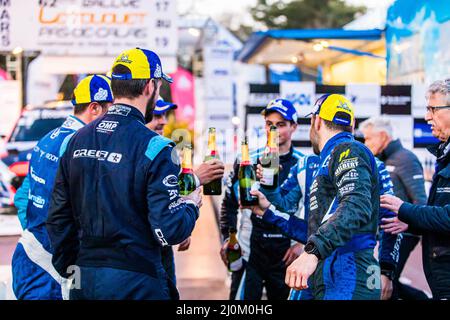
x,y
80,108
129,89
337,127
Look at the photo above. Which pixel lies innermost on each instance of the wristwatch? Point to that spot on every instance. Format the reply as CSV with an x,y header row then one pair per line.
x,y
387,270
388,273
311,248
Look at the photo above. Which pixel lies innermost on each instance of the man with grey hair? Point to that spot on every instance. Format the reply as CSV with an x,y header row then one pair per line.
x,y
406,173
433,220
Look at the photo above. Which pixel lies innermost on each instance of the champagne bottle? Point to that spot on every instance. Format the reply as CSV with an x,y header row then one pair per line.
x,y
270,161
213,188
247,177
186,180
234,253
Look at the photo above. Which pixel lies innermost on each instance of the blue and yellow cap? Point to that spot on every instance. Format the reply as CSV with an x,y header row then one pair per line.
x,y
163,106
335,108
283,107
95,88
142,63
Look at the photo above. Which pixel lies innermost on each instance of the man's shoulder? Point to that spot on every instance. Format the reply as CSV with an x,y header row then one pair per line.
x,y
155,144
404,156
344,149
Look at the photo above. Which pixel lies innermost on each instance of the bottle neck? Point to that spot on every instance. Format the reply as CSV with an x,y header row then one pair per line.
x,y
186,165
212,146
245,155
272,141
233,238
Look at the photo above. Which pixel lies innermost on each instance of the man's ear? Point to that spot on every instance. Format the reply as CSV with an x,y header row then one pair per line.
x,y
317,123
94,108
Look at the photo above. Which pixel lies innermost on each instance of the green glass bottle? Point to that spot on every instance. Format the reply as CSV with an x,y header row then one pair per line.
x,y
234,253
247,177
214,188
270,161
186,179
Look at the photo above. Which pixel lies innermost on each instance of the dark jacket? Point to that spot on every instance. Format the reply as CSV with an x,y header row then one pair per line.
x,y
116,197
344,197
406,173
433,220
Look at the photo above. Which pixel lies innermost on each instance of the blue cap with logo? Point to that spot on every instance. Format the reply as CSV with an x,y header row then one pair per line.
x,y
94,88
283,107
163,106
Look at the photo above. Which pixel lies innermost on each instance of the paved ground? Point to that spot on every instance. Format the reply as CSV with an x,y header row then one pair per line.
x,y
201,275
200,272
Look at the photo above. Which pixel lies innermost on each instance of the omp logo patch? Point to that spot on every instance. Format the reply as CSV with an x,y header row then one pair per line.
x,y
107,126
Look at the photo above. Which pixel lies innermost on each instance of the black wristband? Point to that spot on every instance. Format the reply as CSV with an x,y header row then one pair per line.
x,y
311,248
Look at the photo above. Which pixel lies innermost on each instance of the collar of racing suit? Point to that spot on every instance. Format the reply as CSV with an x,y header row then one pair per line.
x,y
126,110
391,148
335,140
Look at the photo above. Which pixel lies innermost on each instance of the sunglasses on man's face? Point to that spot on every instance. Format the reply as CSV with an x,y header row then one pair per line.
x,y
432,109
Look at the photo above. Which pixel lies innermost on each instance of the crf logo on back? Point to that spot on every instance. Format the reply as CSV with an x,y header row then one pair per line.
x,y
100,155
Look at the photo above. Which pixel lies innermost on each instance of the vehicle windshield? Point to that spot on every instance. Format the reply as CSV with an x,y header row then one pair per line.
x,y
33,125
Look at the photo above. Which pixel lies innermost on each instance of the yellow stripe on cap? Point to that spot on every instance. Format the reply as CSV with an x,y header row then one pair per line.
x,y
82,92
333,104
136,61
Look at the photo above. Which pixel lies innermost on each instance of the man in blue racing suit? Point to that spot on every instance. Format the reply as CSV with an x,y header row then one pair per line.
x,y
34,277
338,261
116,199
287,197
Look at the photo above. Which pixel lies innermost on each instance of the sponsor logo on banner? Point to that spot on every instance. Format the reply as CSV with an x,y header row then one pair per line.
x,y
301,94
422,134
89,27
261,94
365,99
396,100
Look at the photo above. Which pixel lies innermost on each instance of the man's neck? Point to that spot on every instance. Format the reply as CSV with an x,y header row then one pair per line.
x,y
285,148
83,117
326,137
139,103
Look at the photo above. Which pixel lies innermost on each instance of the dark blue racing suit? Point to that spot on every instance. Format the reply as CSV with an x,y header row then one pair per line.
x,y
290,192
115,204
342,222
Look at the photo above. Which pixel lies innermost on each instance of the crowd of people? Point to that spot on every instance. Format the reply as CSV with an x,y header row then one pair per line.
x,y
101,205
